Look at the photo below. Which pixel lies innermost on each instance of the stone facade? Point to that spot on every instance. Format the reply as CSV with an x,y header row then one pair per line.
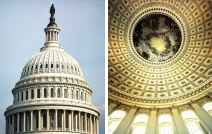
x,y
52,95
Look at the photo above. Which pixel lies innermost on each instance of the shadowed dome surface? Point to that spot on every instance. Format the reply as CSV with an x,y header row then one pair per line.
x,y
52,60
134,79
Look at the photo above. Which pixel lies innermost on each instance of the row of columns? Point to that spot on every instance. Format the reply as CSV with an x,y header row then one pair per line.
x,y
52,36
52,120
125,124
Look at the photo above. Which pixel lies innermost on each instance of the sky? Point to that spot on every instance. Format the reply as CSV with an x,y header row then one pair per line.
x,y
22,26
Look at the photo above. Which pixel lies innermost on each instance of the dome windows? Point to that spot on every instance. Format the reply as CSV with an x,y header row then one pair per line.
x,y
192,122
139,124
208,107
67,93
115,119
54,68
165,124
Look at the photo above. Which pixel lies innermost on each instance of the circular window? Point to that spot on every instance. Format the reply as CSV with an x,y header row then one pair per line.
x,y
156,37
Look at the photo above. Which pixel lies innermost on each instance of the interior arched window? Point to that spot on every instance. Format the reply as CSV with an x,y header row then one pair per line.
x,y
139,124
208,107
192,122
165,124
114,120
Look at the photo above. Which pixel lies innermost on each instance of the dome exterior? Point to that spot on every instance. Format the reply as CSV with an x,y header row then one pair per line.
x,y
52,60
52,95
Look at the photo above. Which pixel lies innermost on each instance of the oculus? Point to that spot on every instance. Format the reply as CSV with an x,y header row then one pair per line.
x,y
156,37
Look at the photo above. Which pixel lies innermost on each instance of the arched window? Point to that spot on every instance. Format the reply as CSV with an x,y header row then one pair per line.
x,y
32,94
38,93
52,92
139,124
165,124
114,120
192,122
66,93
81,96
45,93
208,107
59,94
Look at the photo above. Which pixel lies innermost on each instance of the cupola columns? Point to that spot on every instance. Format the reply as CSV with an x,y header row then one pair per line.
x,y
52,31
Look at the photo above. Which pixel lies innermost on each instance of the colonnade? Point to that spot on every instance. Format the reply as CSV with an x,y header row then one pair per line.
x,y
52,120
152,125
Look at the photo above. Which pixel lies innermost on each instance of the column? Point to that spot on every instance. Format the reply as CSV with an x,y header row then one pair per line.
x,y
41,93
111,108
203,115
13,124
179,123
62,92
72,120
18,120
29,94
47,119
31,113
40,122
64,120
76,123
55,119
35,93
69,120
97,125
126,122
91,124
79,122
152,123
24,122
86,122
94,124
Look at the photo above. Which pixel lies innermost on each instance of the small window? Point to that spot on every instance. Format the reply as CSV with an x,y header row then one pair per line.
x,y
66,93
32,94
41,66
22,96
32,68
46,65
26,95
114,119
52,92
45,93
38,93
52,66
81,95
57,65
36,67
77,95
59,93
72,94
18,96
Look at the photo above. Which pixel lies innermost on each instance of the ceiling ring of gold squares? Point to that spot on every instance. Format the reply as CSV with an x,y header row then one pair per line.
x,y
182,78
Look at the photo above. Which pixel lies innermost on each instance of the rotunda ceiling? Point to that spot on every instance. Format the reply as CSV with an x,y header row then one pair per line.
x,y
160,52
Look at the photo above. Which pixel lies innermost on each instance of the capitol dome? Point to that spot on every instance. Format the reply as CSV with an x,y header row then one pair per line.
x,y
52,60
52,95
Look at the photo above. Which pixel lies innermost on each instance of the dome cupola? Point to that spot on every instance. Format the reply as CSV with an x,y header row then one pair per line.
x,y
52,59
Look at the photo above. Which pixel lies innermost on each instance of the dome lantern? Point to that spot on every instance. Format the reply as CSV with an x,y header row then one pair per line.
x,y
52,31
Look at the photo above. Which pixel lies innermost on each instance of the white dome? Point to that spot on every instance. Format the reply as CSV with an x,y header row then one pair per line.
x,y
52,60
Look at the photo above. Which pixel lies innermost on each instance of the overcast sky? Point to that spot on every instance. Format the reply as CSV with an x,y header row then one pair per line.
x,y
22,26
